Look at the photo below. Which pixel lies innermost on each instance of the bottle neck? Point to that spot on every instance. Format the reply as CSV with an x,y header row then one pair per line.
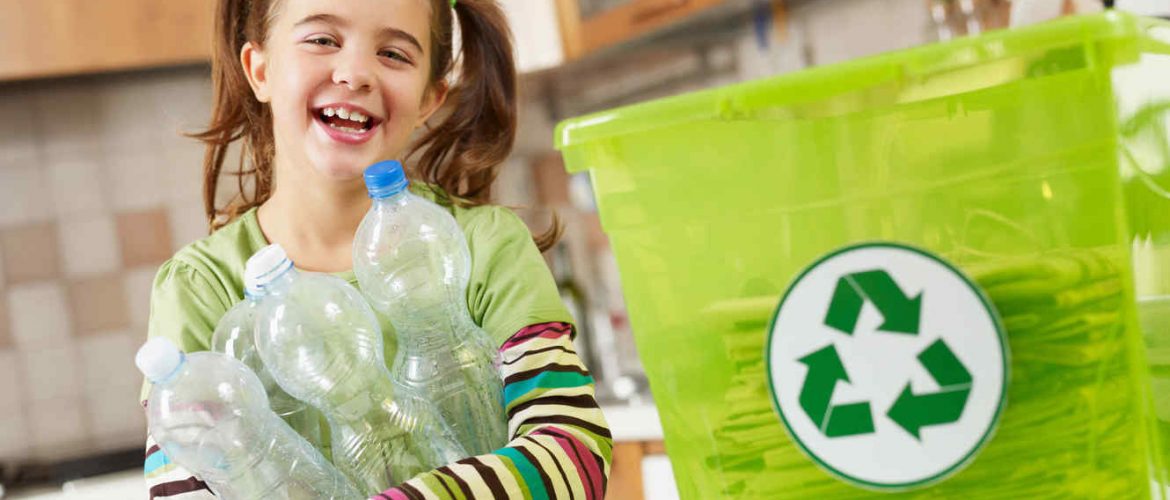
x,y
174,374
428,336
390,199
359,403
280,282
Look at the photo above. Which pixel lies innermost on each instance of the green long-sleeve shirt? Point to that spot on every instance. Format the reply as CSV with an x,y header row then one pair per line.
x,y
510,285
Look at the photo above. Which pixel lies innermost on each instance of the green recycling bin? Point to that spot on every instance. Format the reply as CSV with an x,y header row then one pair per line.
x,y
942,272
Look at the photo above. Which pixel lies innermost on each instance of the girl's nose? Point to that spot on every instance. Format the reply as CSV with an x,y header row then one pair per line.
x,y
354,72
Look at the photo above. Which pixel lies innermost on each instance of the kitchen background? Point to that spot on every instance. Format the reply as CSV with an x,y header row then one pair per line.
x,y
98,186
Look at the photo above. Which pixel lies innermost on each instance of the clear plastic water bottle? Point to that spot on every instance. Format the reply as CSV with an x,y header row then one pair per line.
x,y
234,336
208,413
322,344
413,264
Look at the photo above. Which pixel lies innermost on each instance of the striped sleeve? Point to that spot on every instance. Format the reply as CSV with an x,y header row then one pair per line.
x,y
168,480
561,446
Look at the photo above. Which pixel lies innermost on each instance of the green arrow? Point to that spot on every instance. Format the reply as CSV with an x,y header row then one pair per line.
x,y
942,364
901,313
845,307
915,411
849,420
824,370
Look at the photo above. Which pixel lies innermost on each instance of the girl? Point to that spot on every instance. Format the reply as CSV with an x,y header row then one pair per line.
x,y
315,90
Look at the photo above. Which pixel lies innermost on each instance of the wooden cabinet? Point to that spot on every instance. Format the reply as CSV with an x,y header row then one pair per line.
x,y
589,25
61,37
43,38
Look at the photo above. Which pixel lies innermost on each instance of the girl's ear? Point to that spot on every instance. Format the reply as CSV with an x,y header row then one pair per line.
x,y
432,100
256,68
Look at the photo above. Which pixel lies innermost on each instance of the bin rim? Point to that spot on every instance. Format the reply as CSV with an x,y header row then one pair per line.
x,y
912,64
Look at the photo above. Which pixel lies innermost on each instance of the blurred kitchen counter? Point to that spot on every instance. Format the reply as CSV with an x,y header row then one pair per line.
x,y
633,422
640,467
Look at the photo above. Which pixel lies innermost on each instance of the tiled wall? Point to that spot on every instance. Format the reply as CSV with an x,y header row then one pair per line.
x,y
97,188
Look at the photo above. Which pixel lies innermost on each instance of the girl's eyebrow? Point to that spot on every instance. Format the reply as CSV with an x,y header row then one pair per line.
x,y
337,21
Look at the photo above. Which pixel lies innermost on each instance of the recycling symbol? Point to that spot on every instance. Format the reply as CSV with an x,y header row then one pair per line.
x,y
887,366
901,316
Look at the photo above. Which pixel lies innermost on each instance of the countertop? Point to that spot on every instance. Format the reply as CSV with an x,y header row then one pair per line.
x,y
633,423
627,423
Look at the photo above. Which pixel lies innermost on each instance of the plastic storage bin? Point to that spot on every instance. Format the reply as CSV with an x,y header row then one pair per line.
x,y
1034,161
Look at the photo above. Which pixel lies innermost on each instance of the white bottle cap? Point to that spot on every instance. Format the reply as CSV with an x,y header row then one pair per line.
x,y
264,266
158,358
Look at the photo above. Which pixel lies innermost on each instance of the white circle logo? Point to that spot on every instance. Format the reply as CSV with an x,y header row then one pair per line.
x,y
887,365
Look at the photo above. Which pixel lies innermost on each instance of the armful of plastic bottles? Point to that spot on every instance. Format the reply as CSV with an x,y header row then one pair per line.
x,y
560,444
165,479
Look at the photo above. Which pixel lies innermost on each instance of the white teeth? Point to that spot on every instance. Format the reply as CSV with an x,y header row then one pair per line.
x,y
347,129
345,114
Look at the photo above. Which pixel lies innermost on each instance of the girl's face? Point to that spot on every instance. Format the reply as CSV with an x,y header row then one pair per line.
x,y
348,82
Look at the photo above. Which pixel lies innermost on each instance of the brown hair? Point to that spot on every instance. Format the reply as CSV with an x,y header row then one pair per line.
x,y
461,154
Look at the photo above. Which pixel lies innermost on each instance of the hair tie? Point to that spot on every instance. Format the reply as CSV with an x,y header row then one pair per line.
x,y
452,4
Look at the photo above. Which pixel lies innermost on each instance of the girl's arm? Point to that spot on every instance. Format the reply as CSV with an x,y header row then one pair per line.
x,y
561,446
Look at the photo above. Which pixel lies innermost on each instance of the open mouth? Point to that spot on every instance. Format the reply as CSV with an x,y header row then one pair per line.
x,y
347,120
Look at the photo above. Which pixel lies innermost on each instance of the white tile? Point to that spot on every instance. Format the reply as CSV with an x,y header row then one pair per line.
x,y
137,180
117,415
50,373
184,171
24,193
18,140
112,385
139,282
118,441
179,102
39,315
11,384
129,119
89,244
58,428
69,115
107,365
183,99
188,222
76,183
14,437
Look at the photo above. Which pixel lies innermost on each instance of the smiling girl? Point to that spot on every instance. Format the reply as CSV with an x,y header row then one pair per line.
x,y
313,91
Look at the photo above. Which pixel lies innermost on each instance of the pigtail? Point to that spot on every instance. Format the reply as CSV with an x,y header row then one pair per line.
x,y
236,114
462,153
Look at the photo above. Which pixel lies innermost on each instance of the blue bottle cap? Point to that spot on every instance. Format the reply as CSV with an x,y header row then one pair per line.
x,y
385,178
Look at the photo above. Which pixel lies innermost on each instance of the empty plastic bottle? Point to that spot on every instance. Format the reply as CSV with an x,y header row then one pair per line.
x,y
413,264
234,336
208,413
322,344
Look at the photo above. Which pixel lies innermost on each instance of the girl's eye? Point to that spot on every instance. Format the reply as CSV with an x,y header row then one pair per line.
x,y
323,41
396,55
